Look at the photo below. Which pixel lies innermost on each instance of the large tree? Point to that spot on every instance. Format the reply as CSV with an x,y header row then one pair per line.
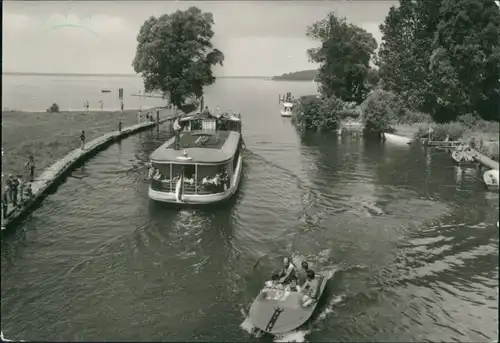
x,y
442,56
175,54
466,54
344,57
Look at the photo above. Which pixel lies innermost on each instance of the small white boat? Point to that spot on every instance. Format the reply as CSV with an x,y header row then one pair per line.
x,y
287,109
491,178
397,139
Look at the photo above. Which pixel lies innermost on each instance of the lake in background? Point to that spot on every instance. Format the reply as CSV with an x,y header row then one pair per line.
x,y
410,239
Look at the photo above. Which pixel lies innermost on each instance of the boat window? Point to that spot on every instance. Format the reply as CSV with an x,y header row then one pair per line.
x,y
161,177
189,171
163,169
208,125
196,125
213,178
176,170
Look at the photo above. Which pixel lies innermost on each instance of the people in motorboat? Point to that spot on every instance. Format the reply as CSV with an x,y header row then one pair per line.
x,y
272,288
274,282
310,288
294,286
288,272
303,272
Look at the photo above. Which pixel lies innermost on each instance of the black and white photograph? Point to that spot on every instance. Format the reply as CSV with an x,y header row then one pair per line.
x,y
250,171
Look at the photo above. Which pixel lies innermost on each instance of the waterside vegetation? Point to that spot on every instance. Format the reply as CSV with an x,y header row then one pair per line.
x,y
438,66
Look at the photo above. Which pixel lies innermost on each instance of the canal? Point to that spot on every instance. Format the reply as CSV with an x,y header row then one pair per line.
x,y
410,240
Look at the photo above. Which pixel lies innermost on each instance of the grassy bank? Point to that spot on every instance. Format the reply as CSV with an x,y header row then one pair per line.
x,y
49,136
481,135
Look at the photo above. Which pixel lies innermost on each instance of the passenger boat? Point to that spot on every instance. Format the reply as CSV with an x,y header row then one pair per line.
x,y
204,167
287,109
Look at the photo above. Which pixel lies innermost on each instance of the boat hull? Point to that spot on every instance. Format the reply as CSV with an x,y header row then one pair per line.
x,y
286,113
400,140
284,315
200,199
491,179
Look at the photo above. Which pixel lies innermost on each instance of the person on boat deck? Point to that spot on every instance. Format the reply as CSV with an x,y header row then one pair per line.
x,y
310,288
177,129
288,272
206,111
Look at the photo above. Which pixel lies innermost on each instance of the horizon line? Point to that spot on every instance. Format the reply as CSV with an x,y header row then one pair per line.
x,y
115,74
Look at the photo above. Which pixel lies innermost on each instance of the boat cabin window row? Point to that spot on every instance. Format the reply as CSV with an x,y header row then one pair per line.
x,y
198,178
212,125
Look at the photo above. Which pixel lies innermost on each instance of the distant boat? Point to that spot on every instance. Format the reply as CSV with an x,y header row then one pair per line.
x,y
287,109
491,179
400,140
105,91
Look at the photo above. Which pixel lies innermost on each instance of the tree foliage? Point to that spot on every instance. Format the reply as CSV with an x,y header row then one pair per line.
x,y
344,57
318,114
175,54
443,56
378,111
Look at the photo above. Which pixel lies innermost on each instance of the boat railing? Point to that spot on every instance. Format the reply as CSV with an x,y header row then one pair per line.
x,y
161,185
168,186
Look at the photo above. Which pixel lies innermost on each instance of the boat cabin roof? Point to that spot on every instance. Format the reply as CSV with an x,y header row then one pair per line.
x,y
201,147
204,115
288,104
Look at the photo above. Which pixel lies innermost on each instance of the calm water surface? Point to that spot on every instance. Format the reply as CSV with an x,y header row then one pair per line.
x,y
410,240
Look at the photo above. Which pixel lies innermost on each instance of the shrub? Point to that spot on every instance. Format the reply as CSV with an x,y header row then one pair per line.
x,y
452,130
54,108
378,111
318,114
469,119
414,117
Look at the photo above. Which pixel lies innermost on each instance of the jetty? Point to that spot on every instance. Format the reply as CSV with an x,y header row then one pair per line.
x,y
41,185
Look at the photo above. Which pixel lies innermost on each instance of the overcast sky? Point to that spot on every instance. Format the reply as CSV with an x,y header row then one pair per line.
x,y
259,38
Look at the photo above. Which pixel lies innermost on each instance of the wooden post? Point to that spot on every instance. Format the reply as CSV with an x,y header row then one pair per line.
x,y
196,179
170,178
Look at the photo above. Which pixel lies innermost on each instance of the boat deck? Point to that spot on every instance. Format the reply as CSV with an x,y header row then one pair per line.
x,y
198,139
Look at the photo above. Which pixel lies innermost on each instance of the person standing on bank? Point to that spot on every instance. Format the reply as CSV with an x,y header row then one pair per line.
x,y
5,202
139,114
8,187
15,186
20,190
82,139
31,165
